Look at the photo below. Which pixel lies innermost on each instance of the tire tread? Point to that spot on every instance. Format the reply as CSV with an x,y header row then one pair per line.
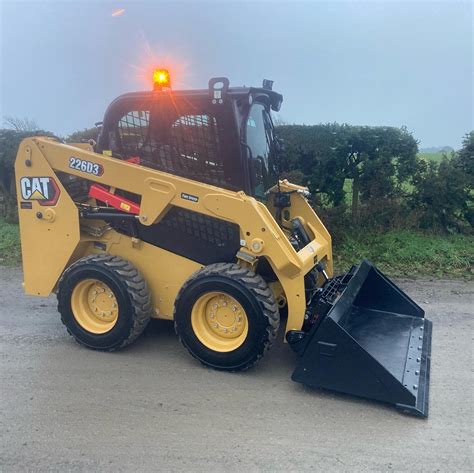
x,y
137,289
257,285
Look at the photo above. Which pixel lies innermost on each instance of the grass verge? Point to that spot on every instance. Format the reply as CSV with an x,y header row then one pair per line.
x,y
396,253
10,253
405,253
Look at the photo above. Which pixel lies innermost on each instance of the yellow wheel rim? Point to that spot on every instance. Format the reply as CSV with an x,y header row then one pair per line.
x,y
94,306
219,322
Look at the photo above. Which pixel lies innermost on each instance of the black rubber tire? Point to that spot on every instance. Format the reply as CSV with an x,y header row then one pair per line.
x,y
128,286
252,292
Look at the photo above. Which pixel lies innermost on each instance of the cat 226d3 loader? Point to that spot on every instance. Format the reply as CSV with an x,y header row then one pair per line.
x,y
177,212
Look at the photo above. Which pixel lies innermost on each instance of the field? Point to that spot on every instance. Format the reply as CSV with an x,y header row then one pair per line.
x,y
436,157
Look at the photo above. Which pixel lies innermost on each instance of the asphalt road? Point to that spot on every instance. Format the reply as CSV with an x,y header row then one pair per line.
x,y
152,407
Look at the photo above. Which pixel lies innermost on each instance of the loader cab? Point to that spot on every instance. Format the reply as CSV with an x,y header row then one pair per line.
x,y
220,136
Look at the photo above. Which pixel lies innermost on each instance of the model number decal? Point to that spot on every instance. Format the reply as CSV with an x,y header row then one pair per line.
x,y
86,166
192,198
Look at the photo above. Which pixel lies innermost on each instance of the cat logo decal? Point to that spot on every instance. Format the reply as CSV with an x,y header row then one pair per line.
x,y
43,189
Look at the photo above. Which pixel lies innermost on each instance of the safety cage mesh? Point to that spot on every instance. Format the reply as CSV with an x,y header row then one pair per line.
x,y
189,147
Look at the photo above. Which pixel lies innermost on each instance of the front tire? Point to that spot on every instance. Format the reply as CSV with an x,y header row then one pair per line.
x,y
226,316
104,302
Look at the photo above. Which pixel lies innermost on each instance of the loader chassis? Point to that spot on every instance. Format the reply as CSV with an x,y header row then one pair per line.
x,y
177,212
60,225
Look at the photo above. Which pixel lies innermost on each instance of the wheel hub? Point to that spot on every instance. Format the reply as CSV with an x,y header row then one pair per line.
x,y
224,316
94,306
219,321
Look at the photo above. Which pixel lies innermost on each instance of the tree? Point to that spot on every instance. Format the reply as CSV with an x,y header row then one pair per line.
x,y
21,124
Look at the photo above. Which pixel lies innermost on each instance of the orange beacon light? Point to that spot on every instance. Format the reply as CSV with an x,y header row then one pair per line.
x,y
161,79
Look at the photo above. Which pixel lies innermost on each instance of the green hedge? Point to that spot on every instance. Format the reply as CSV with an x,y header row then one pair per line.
x,y
371,177
360,177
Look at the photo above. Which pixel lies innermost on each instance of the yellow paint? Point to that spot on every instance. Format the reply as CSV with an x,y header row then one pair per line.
x,y
87,146
48,247
94,306
164,272
219,322
37,195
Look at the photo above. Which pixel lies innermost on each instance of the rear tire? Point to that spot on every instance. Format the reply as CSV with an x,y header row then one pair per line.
x,y
104,302
226,316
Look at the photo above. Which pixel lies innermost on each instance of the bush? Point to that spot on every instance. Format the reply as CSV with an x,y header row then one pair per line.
x,y
390,188
377,160
443,195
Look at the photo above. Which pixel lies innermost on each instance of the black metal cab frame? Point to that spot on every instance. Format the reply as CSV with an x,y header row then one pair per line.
x,y
197,134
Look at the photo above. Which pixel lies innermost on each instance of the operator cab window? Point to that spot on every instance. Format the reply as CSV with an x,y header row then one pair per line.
x,y
259,137
179,137
196,139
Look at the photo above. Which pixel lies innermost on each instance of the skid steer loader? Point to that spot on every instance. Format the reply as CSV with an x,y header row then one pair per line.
x,y
177,212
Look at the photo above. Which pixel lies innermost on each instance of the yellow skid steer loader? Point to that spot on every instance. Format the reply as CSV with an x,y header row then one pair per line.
x,y
177,213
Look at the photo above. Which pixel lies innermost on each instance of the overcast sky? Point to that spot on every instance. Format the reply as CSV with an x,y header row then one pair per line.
x,y
368,63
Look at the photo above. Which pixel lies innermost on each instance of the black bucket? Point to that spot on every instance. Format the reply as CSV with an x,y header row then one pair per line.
x,y
374,342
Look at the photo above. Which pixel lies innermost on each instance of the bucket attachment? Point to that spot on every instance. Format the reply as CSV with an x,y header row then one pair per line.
x,y
368,339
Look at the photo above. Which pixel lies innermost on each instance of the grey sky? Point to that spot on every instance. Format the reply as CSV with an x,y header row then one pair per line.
x,y
367,63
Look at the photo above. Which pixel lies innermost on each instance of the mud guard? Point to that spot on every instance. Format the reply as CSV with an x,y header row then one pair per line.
x,y
373,342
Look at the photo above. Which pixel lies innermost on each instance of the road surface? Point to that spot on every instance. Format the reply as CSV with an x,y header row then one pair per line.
x,y
153,407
